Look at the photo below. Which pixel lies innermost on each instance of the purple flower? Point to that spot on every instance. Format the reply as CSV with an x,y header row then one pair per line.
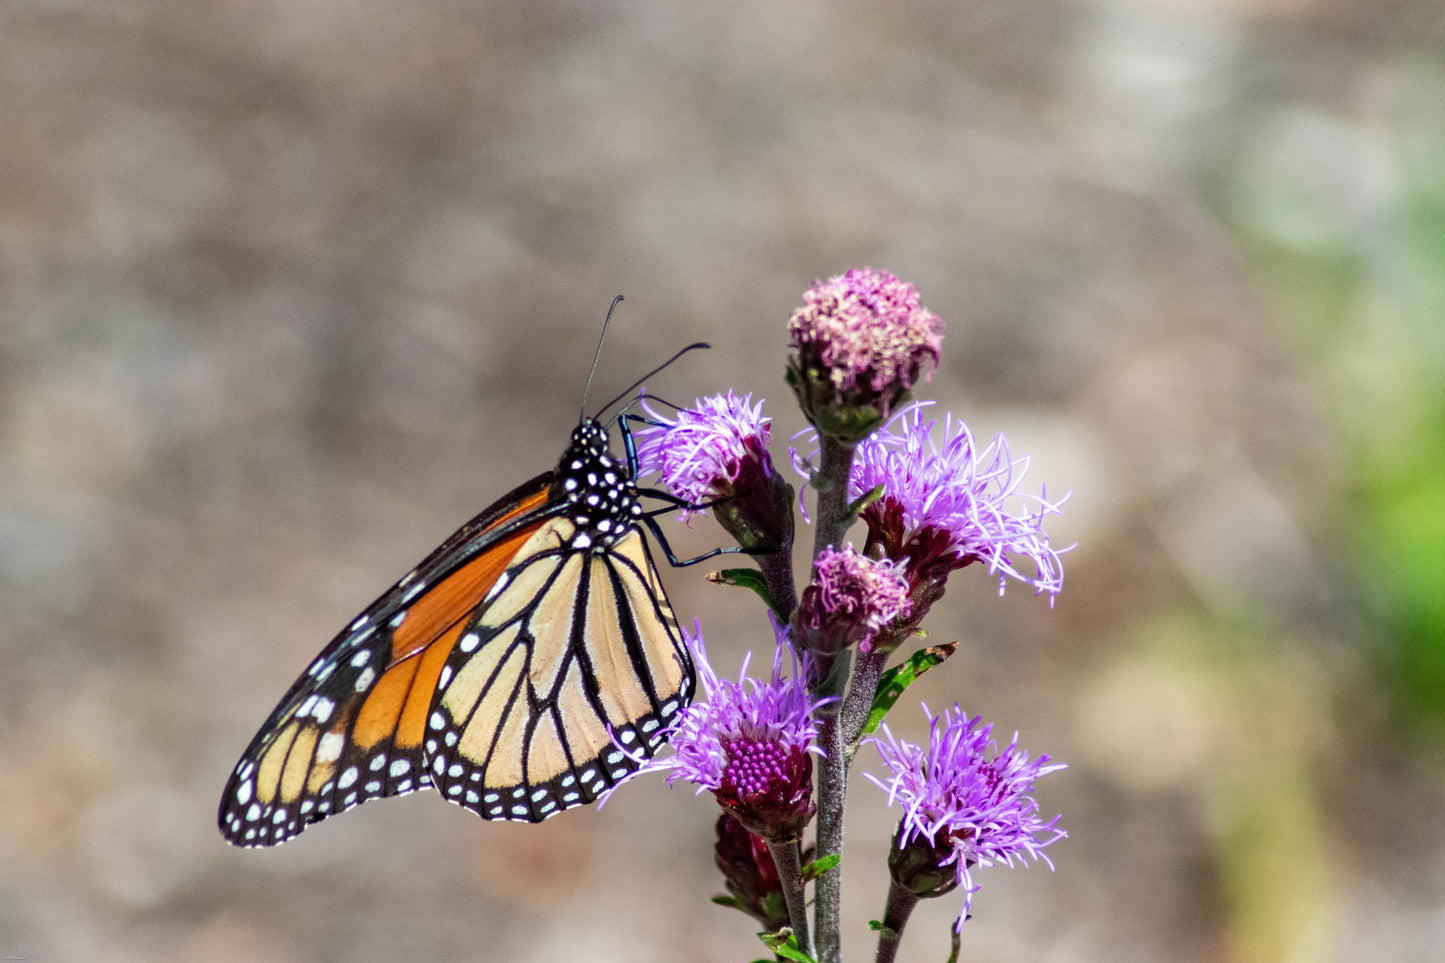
x,y
750,743
861,341
716,453
944,507
701,450
965,804
852,596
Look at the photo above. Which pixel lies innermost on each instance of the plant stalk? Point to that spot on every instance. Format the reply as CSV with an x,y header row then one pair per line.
x,y
790,876
859,704
777,571
831,482
895,917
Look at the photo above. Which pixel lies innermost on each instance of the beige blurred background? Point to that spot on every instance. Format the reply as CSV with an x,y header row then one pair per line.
x,y
289,290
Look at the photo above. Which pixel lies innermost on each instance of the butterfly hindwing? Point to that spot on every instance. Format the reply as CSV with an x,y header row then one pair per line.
x,y
563,682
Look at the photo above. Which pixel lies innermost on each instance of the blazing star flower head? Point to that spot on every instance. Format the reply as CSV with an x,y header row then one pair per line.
x,y
717,452
868,328
947,506
862,340
851,598
750,743
700,451
965,804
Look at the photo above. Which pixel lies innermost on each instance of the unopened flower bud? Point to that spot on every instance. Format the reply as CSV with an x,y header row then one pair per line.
x,y
861,341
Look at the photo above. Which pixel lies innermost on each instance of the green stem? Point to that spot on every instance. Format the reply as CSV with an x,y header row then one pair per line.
x,y
895,917
777,569
832,789
790,877
831,482
861,693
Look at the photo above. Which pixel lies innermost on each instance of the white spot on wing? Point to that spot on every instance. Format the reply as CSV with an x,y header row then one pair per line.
x,y
330,746
497,586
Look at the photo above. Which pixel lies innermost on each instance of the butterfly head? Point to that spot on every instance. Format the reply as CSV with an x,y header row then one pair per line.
x,y
597,488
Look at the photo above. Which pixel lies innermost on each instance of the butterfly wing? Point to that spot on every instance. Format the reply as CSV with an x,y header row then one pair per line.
x,y
575,655
526,666
351,728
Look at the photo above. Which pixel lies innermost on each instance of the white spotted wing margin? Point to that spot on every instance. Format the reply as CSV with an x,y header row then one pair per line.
x,y
307,763
575,655
350,728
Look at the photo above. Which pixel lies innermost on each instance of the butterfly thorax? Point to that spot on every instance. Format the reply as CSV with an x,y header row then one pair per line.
x,y
598,490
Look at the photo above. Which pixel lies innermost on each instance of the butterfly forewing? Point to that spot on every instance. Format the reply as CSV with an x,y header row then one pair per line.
x,y
528,664
350,729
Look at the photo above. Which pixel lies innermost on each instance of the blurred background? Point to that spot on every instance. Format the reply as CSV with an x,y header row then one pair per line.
x,y
289,290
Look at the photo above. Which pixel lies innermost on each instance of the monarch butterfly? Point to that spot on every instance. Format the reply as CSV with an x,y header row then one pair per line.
x,y
531,662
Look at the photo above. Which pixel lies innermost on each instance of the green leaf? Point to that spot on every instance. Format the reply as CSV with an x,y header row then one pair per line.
x,y
774,906
788,953
729,902
820,866
892,683
864,500
747,578
785,943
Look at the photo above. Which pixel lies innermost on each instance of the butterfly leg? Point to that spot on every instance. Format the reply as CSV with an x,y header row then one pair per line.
x,y
672,501
672,558
628,445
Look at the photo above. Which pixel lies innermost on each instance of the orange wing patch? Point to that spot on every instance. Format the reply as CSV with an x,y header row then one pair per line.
x,y
441,605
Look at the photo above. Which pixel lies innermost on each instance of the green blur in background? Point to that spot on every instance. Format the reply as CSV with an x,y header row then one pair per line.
x,y
1342,219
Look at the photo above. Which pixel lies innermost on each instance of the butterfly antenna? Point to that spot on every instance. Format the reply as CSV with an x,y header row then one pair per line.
x,y
696,345
582,415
